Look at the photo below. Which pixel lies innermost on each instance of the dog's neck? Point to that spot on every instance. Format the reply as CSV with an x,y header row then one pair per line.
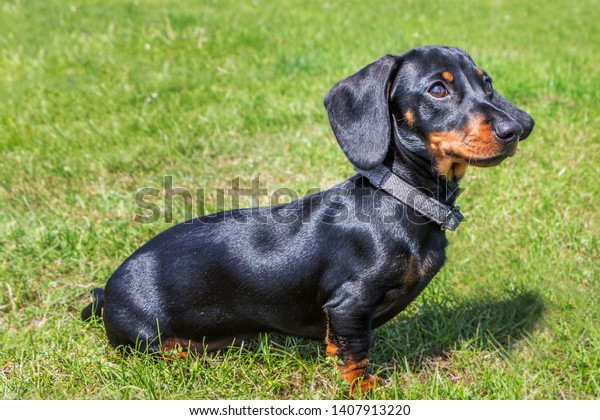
x,y
421,173
426,198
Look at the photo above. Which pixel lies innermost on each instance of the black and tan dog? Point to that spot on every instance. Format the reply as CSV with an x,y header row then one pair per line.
x,y
337,264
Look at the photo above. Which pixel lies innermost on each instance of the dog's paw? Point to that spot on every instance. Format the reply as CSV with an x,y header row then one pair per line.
x,y
367,383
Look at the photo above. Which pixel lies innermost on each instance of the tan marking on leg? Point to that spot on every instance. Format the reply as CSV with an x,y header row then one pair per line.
x,y
352,370
332,350
356,373
370,382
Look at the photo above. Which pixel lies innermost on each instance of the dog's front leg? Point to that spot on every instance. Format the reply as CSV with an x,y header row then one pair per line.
x,y
349,338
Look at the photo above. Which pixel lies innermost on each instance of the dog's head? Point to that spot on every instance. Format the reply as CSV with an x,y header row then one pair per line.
x,y
432,101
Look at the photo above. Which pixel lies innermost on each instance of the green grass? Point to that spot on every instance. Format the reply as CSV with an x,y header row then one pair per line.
x,y
101,98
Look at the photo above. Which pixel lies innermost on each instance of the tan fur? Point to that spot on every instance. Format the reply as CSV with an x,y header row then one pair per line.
x,y
455,150
448,76
331,350
409,117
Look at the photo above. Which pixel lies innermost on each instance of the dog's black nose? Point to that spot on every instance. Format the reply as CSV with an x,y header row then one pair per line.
x,y
508,130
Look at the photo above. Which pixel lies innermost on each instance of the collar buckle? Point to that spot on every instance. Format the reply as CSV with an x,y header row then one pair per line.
x,y
452,219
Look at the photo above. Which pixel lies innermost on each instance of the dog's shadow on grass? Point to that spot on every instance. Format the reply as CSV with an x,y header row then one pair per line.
x,y
436,329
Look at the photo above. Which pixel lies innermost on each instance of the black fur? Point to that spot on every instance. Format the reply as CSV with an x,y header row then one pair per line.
x,y
333,265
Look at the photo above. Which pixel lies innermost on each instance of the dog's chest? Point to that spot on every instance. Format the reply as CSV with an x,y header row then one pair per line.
x,y
416,273
419,269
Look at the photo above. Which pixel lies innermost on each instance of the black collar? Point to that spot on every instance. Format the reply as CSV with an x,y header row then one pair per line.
x,y
448,217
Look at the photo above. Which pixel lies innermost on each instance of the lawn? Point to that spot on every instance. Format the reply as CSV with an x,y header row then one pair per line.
x,y
101,98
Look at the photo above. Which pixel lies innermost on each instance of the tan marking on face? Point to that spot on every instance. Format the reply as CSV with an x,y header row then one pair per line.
x,y
479,72
409,117
448,76
451,169
455,150
458,170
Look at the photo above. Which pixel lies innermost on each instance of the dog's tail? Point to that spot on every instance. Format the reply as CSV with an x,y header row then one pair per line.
x,y
94,308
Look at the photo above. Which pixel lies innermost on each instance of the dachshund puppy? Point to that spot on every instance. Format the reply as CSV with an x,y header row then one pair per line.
x,y
334,265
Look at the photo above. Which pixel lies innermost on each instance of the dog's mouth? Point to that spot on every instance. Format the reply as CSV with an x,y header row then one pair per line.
x,y
486,161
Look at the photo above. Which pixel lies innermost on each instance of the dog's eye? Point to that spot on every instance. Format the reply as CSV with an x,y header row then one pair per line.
x,y
487,87
438,91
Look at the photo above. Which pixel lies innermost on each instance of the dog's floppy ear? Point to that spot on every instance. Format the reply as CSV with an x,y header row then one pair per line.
x,y
359,113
